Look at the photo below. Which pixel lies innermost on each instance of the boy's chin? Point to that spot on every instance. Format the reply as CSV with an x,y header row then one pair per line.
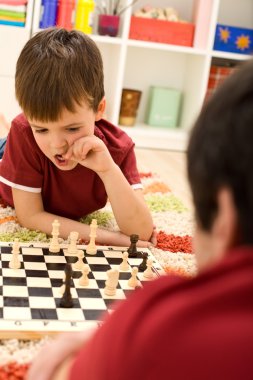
x,y
69,166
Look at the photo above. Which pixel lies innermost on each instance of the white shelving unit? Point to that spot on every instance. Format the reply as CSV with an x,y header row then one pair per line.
x,y
139,64
12,40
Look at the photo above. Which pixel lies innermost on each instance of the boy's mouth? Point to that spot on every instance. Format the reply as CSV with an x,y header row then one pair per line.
x,y
59,159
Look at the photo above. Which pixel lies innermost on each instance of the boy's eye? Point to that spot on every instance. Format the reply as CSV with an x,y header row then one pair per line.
x,y
41,130
73,129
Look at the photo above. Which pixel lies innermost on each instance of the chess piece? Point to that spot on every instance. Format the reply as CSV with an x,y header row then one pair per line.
x,y
133,281
84,279
15,262
91,248
62,287
66,300
72,247
124,266
143,264
148,273
78,265
132,250
54,244
112,282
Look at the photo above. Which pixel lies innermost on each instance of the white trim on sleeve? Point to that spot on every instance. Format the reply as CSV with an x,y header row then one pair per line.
x,y
20,187
137,186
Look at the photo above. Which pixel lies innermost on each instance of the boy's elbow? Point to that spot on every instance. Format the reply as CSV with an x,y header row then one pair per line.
x,y
146,233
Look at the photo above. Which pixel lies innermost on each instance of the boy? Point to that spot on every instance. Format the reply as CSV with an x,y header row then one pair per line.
x,y
188,329
62,160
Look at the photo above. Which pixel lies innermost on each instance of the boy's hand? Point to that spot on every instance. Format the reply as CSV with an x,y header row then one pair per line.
x,y
90,152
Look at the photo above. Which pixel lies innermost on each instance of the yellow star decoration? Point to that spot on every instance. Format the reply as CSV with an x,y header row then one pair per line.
x,y
242,42
224,34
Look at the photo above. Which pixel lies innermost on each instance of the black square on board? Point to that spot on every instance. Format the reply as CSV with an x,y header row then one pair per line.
x,y
88,293
44,314
99,267
16,301
56,266
36,273
17,281
33,258
40,292
94,315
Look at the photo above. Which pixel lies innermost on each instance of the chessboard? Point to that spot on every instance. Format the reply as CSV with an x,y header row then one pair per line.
x,y
30,296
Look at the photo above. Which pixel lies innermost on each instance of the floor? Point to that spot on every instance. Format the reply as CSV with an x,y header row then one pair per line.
x,y
170,166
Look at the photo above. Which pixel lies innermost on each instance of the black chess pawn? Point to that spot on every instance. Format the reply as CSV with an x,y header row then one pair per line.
x,y
132,250
143,264
66,300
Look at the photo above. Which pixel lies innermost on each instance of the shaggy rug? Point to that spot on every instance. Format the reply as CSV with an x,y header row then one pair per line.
x,y
174,225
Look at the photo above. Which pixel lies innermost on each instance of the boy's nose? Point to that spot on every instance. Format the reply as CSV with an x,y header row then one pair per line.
x,y
58,142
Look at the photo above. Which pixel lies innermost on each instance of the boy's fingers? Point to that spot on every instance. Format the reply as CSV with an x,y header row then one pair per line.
x,y
69,153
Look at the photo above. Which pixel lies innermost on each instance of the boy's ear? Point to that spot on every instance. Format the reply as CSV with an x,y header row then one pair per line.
x,y
101,109
225,225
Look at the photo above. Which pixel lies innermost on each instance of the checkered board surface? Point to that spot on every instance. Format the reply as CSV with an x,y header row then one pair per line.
x,y
30,296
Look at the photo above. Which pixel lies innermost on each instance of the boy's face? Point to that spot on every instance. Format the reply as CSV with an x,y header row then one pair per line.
x,y
55,138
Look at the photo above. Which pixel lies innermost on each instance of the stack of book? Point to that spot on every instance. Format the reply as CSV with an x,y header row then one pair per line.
x,y
13,12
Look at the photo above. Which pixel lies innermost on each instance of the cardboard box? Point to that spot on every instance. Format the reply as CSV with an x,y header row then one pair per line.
x,y
163,107
233,39
168,32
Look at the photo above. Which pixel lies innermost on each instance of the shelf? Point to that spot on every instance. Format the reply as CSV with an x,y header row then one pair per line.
x,y
145,136
230,56
166,47
106,39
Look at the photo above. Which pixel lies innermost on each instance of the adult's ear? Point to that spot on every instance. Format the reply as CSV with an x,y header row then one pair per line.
x,y
225,225
101,109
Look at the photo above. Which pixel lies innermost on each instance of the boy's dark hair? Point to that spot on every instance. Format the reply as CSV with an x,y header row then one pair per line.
x,y
58,69
220,152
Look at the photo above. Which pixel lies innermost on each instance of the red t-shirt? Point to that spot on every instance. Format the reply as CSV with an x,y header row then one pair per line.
x,y
199,329
73,193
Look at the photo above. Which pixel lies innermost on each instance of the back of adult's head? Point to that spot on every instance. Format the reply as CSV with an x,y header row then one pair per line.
x,y
58,69
220,151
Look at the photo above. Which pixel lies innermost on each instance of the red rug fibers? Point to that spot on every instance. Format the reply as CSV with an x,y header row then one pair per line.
x,y
13,371
174,243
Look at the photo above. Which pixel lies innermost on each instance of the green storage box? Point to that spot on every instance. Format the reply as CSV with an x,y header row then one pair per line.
x,y
163,107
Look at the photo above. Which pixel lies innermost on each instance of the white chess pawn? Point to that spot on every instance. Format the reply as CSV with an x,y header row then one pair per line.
x,y
91,248
84,279
124,266
112,282
133,281
78,265
148,273
15,262
72,247
54,246
15,246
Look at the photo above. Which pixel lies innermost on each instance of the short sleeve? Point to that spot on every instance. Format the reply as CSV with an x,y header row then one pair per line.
x,y
22,162
129,168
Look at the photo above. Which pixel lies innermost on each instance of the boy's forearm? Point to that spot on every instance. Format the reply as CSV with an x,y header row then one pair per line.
x,y
128,205
43,221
